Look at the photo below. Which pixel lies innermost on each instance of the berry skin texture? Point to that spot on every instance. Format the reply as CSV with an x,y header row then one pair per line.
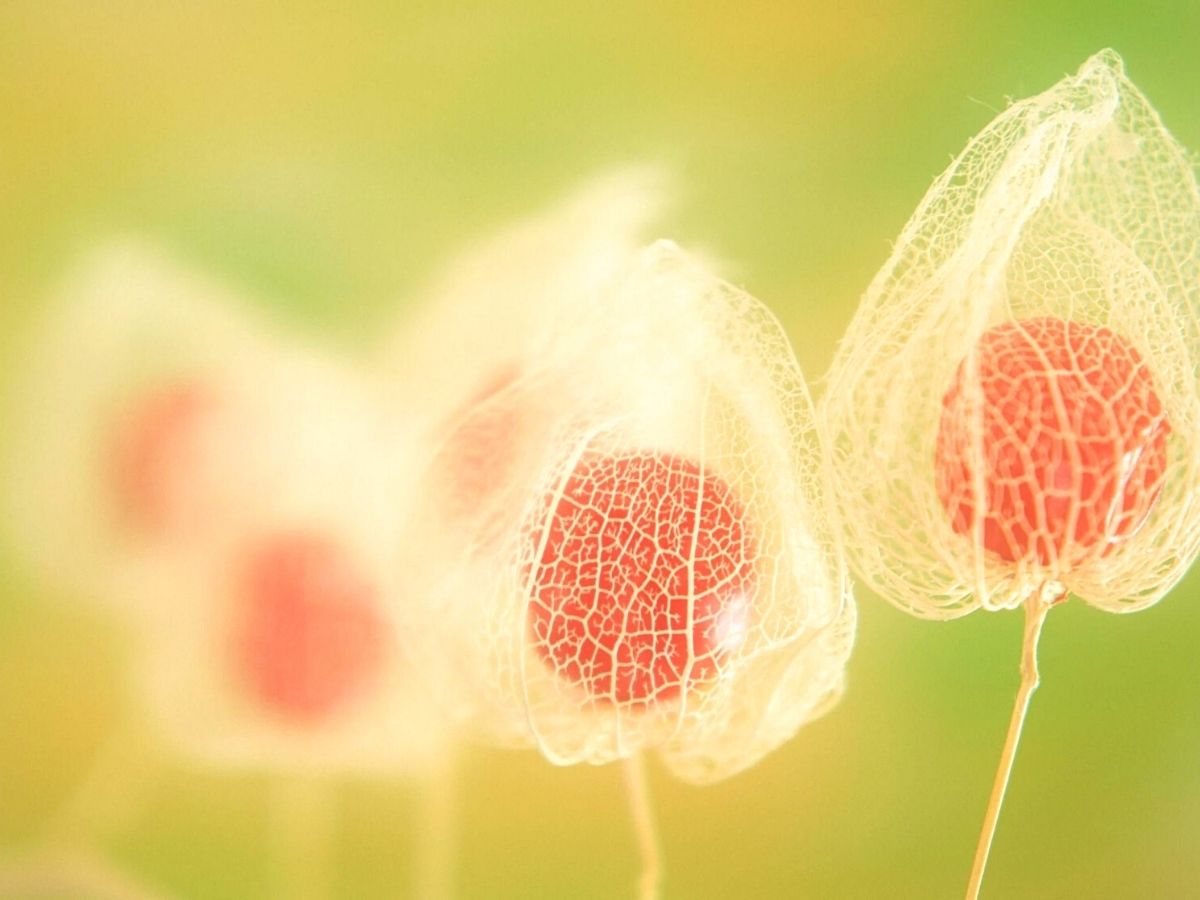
x,y
1072,442
308,640
645,578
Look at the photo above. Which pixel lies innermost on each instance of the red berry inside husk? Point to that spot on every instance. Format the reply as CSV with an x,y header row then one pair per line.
x,y
480,450
309,639
1067,433
155,450
644,583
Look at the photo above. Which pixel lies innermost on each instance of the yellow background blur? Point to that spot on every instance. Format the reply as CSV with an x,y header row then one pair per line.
x,y
326,162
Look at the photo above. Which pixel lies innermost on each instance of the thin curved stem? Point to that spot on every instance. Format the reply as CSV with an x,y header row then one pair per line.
x,y
301,819
644,827
1036,608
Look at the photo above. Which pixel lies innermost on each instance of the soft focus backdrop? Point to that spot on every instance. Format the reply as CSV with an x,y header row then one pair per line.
x,y
325,163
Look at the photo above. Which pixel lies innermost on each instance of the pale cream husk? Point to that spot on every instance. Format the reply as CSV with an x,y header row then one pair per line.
x,y
666,358
1078,204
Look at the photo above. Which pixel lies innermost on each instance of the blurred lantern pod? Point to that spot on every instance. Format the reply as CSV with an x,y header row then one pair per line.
x,y
277,646
1013,412
130,407
234,495
488,313
650,568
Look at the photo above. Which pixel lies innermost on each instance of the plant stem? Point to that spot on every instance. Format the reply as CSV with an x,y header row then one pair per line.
x,y
1036,608
434,853
302,814
644,826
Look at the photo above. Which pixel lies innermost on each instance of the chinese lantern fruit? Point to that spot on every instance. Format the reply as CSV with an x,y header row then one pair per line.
x,y
642,576
1061,424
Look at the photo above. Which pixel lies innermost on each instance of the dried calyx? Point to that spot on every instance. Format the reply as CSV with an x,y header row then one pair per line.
x,y
647,563
1038,317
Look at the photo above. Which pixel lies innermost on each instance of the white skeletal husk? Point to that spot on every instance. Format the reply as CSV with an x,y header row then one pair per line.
x,y
654,357
1075,204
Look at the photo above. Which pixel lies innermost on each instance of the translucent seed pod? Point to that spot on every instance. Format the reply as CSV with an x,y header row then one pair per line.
x,y
1014,407
1012,417
237,498
654,570
119,448
273,644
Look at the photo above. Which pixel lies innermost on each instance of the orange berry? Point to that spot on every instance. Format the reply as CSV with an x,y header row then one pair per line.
x,y
155,449
644,580
309,639
1070,434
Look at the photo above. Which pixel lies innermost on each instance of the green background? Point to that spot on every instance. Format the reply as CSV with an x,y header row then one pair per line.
x,y
326,161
